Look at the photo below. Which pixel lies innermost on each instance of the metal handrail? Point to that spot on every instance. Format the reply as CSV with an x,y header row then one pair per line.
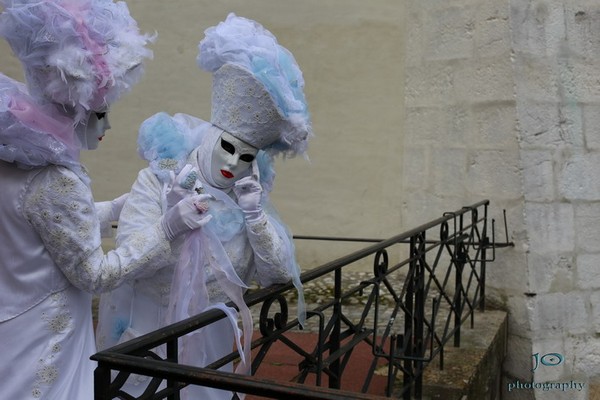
x,y
417,305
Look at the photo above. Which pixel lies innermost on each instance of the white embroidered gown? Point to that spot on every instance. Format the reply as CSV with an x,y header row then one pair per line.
x,y
50,263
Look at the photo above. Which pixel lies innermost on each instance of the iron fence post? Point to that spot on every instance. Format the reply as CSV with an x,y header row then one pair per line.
x,y
459,263
409,319
101,383
419,314
485,243
335,367
458,298
173,355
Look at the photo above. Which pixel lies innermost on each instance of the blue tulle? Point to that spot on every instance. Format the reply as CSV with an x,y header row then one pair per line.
x,y
266,169
226,222
162,142
161,137
271,76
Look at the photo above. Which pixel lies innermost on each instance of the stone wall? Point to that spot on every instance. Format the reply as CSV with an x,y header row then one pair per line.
x,y
502,102
557,50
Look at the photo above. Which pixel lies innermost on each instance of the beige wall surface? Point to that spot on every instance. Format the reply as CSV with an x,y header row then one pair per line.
x,y
351,54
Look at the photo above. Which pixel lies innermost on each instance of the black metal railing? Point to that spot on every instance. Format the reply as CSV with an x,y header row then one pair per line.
x,y
406,311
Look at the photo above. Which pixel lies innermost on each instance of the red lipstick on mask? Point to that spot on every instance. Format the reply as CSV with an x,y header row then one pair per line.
x,y
226,174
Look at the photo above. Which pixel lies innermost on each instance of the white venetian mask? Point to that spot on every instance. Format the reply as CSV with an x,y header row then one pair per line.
x,y
231,160
91,133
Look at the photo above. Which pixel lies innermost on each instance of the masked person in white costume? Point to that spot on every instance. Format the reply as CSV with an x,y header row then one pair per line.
x,y
258,111
79,56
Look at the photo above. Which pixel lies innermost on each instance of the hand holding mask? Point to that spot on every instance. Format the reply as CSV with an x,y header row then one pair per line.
x,y
186,216
181,186
249,192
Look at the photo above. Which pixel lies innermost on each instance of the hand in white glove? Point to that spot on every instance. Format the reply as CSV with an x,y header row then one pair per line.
x,y
116,206
181,186
188,214
248,192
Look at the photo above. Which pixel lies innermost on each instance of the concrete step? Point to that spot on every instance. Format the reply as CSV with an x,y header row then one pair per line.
x,y
472,371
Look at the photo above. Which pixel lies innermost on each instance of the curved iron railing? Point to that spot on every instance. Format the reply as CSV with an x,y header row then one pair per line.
x,y
409,310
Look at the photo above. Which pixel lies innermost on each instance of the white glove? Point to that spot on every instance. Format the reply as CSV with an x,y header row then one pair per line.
x,y
116,206
181,186
188,214
248,192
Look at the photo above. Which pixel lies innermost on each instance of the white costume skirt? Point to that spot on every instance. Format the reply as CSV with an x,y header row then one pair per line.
x,y
46,350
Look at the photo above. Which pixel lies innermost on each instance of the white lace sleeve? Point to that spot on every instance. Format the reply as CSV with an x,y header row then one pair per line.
x,y
141,212
272,251
61,209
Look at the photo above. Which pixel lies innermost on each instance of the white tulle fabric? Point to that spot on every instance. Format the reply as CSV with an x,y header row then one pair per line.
x,y
82,54
34,134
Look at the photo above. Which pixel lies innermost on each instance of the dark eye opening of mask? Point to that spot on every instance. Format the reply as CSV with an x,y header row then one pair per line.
x,y
228,147
100,115
247,157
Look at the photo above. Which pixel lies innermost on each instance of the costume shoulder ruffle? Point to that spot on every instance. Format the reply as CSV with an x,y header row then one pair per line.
x,y
34,134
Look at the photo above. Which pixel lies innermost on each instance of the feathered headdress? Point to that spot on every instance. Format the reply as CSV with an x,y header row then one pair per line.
x,y
258,89
81,54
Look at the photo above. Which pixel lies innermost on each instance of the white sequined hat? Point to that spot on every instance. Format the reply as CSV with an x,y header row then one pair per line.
x,y
257,92
242,106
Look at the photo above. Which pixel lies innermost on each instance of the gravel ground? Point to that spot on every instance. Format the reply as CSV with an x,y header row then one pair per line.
x,y
319,292
316,293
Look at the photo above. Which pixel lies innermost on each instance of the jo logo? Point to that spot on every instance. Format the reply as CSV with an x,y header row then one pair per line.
x,y
548,360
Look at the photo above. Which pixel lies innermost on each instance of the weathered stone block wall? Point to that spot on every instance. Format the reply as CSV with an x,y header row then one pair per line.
x,y
502,102
556,46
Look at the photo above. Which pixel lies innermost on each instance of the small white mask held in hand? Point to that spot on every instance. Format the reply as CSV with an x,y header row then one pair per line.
x,y
91,133
231,160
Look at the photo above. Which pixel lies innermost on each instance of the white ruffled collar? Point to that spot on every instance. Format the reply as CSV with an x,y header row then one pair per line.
x,y
33,134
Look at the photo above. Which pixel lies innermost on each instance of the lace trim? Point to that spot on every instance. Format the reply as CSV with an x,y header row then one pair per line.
x,y
47,372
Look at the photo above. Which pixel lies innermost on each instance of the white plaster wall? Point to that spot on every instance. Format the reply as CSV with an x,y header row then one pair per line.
x,y
350,52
